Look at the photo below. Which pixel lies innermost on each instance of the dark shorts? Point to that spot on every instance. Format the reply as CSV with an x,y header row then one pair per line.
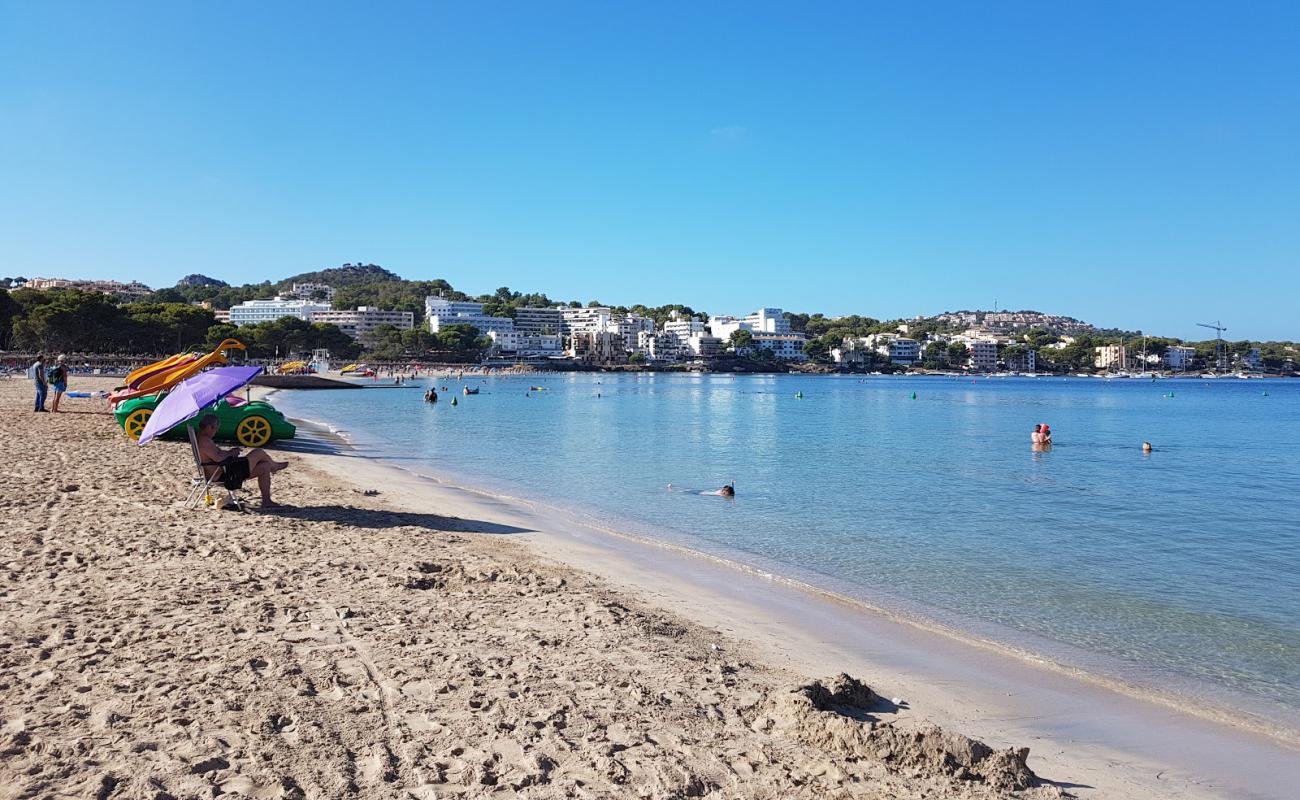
x,y
59,387
234,471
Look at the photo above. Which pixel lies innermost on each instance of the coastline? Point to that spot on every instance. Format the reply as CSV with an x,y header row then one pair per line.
x,y
1163,742
431,640
1183,694
344,646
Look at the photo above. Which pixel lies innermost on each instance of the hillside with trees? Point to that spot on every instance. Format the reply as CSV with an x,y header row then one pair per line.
x,y
78,321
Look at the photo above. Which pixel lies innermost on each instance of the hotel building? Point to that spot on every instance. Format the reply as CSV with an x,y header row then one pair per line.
x,y
251,312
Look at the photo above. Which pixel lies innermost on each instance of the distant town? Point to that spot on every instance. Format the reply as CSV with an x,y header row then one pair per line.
x,y
512,329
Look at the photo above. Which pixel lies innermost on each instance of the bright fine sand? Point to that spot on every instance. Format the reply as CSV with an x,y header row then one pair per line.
x,y
390,644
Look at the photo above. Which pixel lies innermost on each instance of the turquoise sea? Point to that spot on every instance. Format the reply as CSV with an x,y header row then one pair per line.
x,y
1178,570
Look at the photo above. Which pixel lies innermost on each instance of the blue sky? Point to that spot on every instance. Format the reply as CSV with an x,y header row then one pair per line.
x,y
1134,164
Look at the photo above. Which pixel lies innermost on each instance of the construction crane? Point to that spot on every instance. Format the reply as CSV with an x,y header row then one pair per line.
x,y
1220,353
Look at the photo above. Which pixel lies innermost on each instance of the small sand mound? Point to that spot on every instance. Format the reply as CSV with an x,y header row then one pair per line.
x,y
834,715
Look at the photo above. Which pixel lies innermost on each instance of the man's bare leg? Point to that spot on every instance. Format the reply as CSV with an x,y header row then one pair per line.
x,y
259,456
263,473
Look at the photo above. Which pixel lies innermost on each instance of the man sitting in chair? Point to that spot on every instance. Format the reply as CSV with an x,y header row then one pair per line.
x,y
257,463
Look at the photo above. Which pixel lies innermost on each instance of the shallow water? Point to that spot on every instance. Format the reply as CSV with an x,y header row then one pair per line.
x,y
1179,569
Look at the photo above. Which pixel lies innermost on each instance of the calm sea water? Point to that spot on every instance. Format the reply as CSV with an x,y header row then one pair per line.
x,y
1176,569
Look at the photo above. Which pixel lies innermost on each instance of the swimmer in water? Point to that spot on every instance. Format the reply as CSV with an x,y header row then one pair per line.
x,y
1146,447
727,491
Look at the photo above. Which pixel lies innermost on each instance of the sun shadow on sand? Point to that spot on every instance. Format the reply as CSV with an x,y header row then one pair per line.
x,y
379,519
871,711
306,444
1064,785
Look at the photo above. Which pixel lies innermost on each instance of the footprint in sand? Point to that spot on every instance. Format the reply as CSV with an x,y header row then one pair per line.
x,y
378,765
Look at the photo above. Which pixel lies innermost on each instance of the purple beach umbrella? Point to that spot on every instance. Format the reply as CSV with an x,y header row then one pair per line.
x,y
187,399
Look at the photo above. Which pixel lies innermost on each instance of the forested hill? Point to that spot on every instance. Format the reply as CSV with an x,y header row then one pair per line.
x,y
346,275
372,285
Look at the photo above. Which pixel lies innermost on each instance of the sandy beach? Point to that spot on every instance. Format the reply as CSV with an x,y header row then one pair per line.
x,y
378,638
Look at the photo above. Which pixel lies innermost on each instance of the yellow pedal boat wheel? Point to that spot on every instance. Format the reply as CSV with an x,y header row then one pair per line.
x,y
253,431
135,422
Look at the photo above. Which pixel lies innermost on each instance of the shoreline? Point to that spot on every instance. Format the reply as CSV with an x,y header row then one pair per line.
x,y
1182,739
425,640
1223,706
341,645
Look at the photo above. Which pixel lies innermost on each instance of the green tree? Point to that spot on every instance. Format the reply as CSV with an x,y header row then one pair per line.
x,y
462,342
958,353
218,333
741,340
69,319
167,327
9,310
817,350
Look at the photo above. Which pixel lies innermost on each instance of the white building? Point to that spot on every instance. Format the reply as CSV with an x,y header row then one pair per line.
x,y
251,312
597,347
683,329
1179,358
538,320
312,291
983,354
767,320
631,326
659,346
702,345
598,319
764,320
723,326
1024,361
125,292
904,351
516,344
1109,355
898,349
852,350
362,322
785,346
441,312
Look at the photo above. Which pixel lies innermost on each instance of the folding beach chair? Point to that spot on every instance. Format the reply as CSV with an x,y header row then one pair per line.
x,y
201,485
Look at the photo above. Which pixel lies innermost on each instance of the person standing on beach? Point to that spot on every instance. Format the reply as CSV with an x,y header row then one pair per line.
x,y
57,378
37,373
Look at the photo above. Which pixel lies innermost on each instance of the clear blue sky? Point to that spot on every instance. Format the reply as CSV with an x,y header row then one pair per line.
x,y
1134,164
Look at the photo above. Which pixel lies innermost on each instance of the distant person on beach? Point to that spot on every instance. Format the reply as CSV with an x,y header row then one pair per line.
x,y
57,377
257,463
37,373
